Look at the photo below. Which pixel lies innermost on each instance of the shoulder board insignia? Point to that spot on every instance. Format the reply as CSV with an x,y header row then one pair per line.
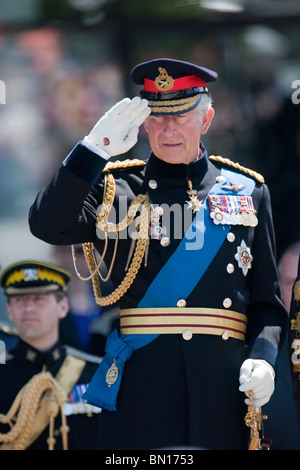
x,y
8,329
237,166
83,355
121,164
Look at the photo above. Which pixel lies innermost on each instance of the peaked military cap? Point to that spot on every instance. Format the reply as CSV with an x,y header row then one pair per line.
x,y
33,277
172,86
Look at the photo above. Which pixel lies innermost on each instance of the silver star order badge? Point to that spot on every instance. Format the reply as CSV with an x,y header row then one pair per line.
x,y
244,257
194,203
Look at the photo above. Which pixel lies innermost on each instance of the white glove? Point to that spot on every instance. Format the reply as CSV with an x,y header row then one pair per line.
x,y
257,375
116,132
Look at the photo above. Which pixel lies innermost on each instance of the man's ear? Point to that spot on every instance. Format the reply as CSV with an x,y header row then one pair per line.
x,y
146,126
206,121
64,307
8,310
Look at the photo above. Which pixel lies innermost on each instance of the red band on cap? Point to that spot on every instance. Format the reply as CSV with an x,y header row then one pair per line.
x,y
191,81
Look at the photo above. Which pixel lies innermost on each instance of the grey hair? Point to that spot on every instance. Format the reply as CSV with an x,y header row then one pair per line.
x,y
204,105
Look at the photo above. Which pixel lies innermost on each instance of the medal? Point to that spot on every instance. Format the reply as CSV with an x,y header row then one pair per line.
x,y
194,202
156,231
253,219
243,257
112,374
232,210
217,216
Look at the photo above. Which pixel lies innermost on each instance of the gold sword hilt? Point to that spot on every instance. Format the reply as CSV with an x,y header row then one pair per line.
x,y
253,420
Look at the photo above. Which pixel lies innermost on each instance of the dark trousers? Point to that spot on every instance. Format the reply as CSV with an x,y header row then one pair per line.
x,y
178,393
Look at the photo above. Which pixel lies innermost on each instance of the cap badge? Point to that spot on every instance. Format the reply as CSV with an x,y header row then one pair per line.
x,y
30,275
163,81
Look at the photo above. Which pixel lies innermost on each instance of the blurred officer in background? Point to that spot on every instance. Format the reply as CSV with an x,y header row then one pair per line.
x,y
281,425
42,382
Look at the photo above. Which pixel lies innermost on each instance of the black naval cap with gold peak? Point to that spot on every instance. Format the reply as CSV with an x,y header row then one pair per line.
x,y
172,86
33,277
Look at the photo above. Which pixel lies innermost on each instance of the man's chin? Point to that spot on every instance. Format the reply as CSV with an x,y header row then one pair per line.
x,y
172,157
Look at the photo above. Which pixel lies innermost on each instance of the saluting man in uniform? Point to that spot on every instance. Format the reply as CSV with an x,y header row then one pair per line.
x,y
43,381
189,246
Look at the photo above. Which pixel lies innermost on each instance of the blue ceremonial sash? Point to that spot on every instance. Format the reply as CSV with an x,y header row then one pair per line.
x,y
197,249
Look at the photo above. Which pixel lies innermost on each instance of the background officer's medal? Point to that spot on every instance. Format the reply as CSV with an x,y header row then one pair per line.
x,y
112,374
163,81
243,257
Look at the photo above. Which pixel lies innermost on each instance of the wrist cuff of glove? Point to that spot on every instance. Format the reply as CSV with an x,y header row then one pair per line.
x,y
95,148
269,366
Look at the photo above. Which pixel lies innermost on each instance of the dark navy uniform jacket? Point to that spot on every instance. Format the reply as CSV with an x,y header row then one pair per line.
x,y
174,392
22,363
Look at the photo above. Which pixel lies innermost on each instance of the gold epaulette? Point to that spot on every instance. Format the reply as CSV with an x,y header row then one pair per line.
x,y
123,164
7,328
239,167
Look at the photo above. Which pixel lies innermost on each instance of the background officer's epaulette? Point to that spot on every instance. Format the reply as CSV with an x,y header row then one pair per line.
x,y
7,328
119,164
83,355
239,167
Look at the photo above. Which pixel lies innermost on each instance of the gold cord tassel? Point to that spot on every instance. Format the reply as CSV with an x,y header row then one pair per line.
x,y
41,392
64,429
140,248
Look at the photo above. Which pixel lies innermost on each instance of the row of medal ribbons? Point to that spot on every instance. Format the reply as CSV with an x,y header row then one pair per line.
x,y
232,210
76,404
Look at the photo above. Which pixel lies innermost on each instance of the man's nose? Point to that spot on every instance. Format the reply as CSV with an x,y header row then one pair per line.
x,y
28,304
169,125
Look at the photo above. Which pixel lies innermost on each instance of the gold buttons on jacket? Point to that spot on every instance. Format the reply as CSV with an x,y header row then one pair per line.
x,y
181,303
225,335
165,241
220,179
227,302
230,268
230,237
152,184
187,335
